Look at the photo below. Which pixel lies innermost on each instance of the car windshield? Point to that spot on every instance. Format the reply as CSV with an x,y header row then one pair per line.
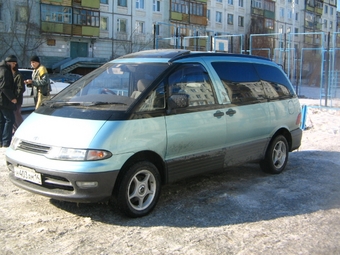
x,y
114,85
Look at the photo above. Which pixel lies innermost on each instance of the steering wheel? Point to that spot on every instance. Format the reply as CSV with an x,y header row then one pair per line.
x,y
107,91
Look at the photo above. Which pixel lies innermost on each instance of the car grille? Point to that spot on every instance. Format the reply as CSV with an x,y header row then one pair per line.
x,y
48,181
33,148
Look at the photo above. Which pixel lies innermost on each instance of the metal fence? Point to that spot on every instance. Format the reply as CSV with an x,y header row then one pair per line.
x,y
310,60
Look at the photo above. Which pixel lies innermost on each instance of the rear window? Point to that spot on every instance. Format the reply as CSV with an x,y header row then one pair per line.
x,y
275,82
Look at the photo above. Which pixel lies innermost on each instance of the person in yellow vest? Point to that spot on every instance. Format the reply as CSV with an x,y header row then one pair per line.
x,y
40,82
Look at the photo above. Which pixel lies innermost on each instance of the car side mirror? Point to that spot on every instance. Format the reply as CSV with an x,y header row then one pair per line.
x,y
178,101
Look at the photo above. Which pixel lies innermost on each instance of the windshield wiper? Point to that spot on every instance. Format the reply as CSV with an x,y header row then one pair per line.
x,y
103,103
61,104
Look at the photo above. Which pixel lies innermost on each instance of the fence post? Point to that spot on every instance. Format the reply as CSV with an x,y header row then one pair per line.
x,y
303,116
327,69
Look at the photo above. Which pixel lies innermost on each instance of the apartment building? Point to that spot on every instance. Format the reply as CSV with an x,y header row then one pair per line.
x,y
71,34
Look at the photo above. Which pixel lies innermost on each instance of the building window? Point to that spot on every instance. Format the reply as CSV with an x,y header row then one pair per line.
x,y
156,7
325,23
85,17
139,4
21,14
326,9
0,11
230,19
331,24
196,9
318,4
219,17
220,1
269,6
103,23
121,25
122,3
281,29
104,1
55,13
296,31
231,2
180,6
140,27
289,14
208,14
297,16
331,10
282,12
257,4
50,42
240,21
269,23
240,3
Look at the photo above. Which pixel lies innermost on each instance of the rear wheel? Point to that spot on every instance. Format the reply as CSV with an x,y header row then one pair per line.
x,y
276,157
139,189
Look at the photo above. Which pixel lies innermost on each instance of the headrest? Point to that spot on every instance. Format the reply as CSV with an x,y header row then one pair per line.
x,y
142,84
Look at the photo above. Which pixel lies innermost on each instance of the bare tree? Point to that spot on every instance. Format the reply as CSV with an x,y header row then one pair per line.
x,y
21,35
133,43
260,44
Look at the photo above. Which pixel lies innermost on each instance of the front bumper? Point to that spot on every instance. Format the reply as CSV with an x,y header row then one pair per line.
x,y
63,185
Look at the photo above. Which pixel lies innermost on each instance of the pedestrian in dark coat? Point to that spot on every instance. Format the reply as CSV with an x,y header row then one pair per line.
x,y
19,83
8,99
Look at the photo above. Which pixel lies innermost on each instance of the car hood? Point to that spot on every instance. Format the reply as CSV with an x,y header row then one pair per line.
x,y
58,131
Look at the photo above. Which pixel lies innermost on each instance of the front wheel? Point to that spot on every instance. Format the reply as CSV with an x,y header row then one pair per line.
x,y
139,189
276,157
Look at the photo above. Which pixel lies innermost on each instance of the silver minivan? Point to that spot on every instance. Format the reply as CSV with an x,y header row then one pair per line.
x,y
154,117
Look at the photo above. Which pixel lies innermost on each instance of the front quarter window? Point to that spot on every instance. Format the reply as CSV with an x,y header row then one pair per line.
x,y
193,80
156,99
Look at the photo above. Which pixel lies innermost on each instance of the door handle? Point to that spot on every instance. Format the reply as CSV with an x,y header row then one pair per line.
x,y
230,112
218,114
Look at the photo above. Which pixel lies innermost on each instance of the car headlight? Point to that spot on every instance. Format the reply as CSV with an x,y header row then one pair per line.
x,y
77,154
15,143
61,153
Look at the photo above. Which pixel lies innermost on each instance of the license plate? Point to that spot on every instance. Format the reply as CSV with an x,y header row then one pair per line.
x,y
27,174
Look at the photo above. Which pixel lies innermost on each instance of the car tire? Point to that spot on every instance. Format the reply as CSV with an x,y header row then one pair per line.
x,y
276,156
139,190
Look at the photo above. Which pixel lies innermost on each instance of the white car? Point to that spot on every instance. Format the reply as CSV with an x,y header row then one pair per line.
x,y
28,100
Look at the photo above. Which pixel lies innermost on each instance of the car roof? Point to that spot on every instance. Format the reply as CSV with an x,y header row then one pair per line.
x,y
163,53
176,54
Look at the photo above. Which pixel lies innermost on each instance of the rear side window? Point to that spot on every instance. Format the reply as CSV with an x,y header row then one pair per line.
x,y
275,82
241,82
